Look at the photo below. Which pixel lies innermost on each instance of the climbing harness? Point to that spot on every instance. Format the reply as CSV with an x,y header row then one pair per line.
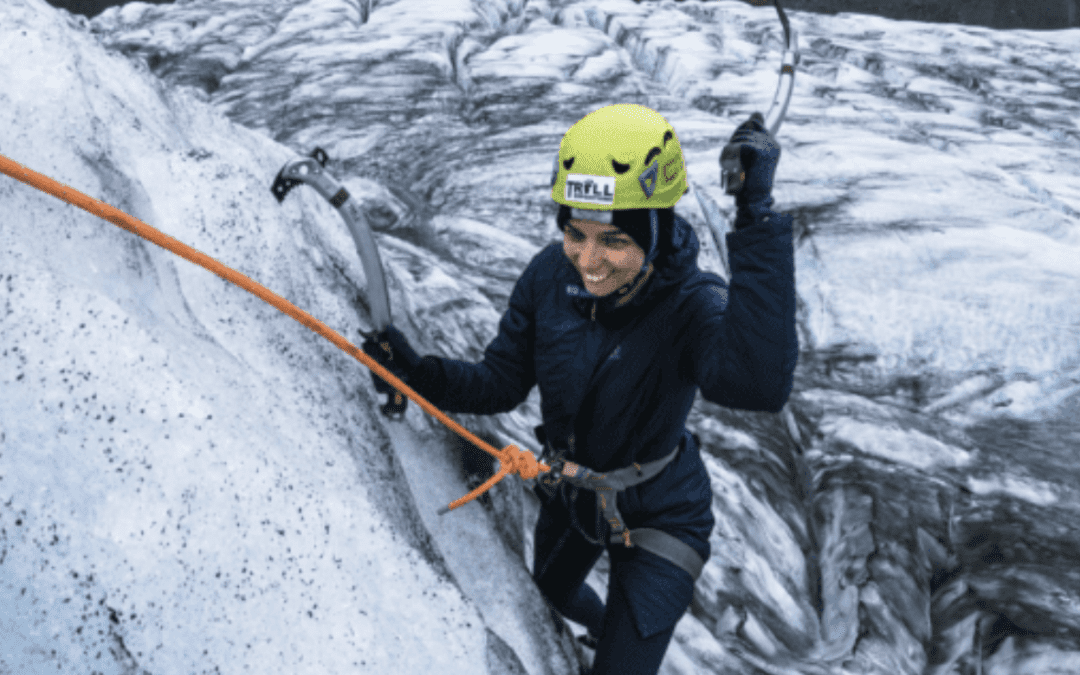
x,y
607,487
732,174
511,458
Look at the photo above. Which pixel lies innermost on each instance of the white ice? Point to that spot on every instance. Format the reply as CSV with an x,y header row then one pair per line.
x,y
191,482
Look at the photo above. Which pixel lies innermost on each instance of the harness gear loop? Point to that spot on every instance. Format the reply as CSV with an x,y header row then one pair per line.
x,y
511,458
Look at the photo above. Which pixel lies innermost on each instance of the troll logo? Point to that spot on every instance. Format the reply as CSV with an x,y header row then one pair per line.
x,y
591,189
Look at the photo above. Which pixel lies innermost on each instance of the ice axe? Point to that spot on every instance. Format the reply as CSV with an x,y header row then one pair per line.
x,y
732,173
310,170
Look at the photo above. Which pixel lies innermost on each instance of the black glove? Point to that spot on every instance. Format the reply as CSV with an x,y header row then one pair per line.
x,y
760,154
391,350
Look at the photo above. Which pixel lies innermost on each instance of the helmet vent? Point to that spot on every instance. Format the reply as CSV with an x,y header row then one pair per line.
x,y
668,136
652,153
567,163
619,168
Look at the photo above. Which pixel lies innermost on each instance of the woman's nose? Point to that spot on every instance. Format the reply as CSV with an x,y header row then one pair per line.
x,y
591,255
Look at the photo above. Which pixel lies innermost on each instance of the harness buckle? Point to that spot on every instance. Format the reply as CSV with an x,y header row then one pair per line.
x,y
552,478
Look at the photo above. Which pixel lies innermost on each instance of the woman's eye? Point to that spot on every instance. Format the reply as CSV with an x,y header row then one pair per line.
x,y
604,241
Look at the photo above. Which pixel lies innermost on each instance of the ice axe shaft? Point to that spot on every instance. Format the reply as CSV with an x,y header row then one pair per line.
x,y
732,172
310,170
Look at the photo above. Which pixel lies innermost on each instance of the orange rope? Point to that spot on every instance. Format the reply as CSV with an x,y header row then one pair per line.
x,y
511,458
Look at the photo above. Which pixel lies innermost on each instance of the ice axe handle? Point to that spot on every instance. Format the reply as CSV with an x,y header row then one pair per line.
x,y
732,171
395,405
732,174
396,402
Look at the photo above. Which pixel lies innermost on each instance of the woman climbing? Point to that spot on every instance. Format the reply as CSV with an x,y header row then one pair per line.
x,y
619,328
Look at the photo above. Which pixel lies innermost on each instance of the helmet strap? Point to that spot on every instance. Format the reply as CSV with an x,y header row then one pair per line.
x,y
654,231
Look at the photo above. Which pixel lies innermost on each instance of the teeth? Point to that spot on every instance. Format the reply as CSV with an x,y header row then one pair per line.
x,y
595,279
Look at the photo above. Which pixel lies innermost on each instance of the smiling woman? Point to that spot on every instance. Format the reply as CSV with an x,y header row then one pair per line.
x,y
619,328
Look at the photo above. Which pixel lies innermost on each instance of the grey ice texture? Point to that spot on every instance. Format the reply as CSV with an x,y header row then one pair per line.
x,y
191,482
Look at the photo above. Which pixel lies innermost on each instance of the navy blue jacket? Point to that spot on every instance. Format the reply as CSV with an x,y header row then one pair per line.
x,y
618,374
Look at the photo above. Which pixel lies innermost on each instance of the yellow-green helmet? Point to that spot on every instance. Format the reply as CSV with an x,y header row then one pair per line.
x,y
622,156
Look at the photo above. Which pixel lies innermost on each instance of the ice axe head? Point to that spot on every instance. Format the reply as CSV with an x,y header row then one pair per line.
x,y
283,183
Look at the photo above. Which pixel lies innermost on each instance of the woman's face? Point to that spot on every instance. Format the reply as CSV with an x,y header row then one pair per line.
x,y
605,257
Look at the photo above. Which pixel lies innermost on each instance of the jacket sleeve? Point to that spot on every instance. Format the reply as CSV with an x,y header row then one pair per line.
x,y
743,346
503,379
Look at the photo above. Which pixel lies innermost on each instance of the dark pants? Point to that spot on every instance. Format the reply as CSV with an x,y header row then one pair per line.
x,y
563,558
